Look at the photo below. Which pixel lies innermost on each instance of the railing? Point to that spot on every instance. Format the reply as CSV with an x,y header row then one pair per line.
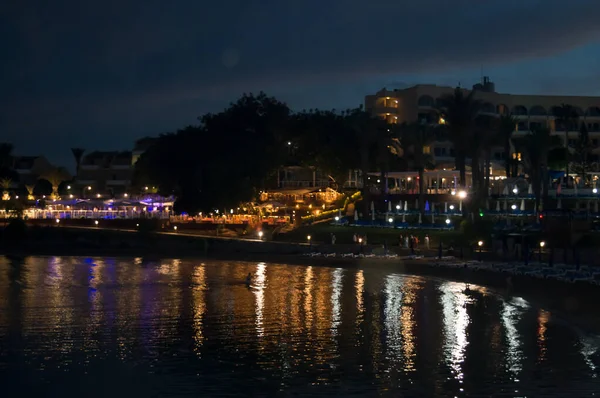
x,y
304,184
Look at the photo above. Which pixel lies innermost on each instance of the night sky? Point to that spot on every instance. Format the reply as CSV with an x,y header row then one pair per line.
x,y
99,74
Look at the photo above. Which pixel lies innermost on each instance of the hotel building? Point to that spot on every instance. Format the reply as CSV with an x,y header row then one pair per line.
x,y
418,103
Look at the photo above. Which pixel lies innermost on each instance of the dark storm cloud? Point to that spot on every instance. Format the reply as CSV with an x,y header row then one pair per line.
x,y
70,62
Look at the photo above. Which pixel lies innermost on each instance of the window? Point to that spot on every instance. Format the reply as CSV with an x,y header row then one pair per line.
x,y
522,126
437,151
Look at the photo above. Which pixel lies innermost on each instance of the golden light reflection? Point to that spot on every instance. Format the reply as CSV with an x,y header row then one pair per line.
x,y
456,319
336,293
543,318
308,299
259,285
511,314
199,304
360,304
392,310
408,323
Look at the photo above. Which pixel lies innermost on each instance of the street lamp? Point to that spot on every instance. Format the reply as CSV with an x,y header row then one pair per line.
x,y
514,207
480,244
390,220
96,222
515,190
448,221
175,228
337,218
260,235
57,220
462,194
542,244
595,190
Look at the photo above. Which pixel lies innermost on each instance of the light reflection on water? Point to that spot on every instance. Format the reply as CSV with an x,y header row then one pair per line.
x,y
184,328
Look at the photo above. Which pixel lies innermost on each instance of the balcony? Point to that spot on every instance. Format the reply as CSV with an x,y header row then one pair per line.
x,y
380,109
90,167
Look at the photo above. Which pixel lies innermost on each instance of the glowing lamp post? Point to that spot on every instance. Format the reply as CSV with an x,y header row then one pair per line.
x,y
391,220
542,244
462,194
260,235
308,238
175,228
96,222
480,244
448,221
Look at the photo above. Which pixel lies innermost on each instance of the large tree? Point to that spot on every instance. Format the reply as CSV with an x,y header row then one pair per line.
x,y
415,137
459,111
223,161
535,147
505,128
582,153
567,120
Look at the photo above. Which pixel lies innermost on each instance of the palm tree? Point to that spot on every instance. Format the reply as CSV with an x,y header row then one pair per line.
x,y
55,176
505,129
583,149
414,138
369,132
77,154
30,189
6,183
567,117
459,112
535,147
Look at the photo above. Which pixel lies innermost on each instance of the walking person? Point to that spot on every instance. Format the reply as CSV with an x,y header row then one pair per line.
x,y
427,241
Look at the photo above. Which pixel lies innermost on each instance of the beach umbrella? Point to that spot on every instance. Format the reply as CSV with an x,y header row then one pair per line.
x,y
530,190
372,207
505,205
420,219
559,188
432,218
403,217
427,205
355,215
498,206
406,205
575,188
389,206
505,190
445,207
460,206
559,204
596,206
522,204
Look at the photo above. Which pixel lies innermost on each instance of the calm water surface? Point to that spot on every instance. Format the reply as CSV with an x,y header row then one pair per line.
x,y
90,327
